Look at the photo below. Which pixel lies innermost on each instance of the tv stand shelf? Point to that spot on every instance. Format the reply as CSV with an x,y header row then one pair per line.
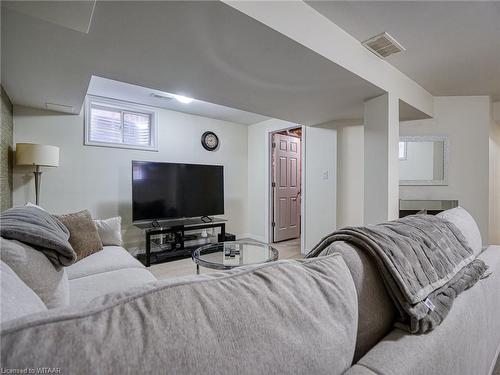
x,y
173,248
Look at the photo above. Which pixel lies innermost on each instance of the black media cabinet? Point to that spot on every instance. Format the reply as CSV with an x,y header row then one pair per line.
x,y
173,233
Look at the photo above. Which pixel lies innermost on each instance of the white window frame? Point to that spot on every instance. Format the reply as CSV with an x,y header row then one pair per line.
x,y
123,107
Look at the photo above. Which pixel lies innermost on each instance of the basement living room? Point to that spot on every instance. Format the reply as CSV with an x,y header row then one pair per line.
x,y
250,187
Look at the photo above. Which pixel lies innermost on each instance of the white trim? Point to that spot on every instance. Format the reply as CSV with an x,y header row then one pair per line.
x,y
91,16
124,107
303,172
429,138
269,187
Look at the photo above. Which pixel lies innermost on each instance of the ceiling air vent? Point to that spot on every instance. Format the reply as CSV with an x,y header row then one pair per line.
x,y
383,45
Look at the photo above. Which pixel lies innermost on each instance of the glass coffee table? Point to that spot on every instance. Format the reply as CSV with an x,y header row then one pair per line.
x,y
227,255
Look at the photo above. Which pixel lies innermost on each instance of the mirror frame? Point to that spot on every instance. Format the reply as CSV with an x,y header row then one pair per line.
x,y
428,138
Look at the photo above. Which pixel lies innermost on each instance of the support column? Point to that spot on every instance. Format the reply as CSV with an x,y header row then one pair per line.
x,y
381,169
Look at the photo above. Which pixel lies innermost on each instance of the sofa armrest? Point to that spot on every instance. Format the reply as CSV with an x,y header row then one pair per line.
x,y
465,343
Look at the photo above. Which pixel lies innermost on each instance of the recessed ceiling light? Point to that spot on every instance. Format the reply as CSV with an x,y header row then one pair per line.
x,y
183,99
160,96
166,96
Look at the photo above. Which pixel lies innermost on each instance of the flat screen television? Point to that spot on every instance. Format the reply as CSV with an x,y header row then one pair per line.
x,y
172,191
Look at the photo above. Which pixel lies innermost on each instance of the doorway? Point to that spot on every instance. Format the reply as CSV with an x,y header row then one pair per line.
x,y
286,185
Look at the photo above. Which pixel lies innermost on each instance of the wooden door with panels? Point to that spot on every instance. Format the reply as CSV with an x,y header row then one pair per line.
x,y
286,187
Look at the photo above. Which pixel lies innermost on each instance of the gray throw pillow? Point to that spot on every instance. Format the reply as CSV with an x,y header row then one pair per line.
x,y
17,298
37,272
83,235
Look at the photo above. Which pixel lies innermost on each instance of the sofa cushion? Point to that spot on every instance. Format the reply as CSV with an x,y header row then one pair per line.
x,y
84,289
110,231
466,342
376,310
466,224
285,317
110,258
37,272
83,235
17,298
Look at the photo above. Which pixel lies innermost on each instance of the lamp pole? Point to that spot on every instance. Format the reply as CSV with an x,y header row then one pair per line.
x,y
38,180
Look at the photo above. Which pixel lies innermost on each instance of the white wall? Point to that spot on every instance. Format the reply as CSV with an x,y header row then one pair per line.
x,y
466,122
494,148
350,172
258,176
320,198
381,159
99,178
496,112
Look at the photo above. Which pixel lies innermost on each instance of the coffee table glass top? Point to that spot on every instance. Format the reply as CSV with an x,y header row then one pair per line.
x,y
227,255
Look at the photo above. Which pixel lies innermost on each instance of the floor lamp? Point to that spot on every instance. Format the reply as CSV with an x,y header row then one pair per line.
x,y
37,156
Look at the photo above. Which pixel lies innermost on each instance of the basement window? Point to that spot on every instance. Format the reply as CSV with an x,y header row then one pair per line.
x,y
115,123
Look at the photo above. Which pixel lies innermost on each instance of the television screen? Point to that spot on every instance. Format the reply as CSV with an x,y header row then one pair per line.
x,y
170,190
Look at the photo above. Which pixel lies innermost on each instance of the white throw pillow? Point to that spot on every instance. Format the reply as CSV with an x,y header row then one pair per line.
x,y
37,272
466,224
110,231
17,298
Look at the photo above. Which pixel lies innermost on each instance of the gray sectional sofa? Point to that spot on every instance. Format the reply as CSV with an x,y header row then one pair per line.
x,y
329,314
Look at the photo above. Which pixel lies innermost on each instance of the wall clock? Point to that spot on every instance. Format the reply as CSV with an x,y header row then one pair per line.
x,y
210,141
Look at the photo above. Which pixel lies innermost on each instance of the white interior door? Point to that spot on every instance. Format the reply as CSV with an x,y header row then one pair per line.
x,y
286,187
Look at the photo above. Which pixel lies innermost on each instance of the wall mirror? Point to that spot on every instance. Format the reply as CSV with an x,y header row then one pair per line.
x,y
423,160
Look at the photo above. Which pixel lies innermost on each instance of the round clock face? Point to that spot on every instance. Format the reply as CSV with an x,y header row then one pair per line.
x,y
210,141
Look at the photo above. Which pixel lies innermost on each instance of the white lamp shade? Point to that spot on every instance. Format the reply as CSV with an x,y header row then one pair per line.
x,y
33,154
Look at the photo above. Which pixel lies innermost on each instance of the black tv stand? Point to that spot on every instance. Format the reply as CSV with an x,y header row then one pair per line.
x,y
175,248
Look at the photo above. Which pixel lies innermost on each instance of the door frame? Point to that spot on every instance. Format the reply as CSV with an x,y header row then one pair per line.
x,y
269,187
